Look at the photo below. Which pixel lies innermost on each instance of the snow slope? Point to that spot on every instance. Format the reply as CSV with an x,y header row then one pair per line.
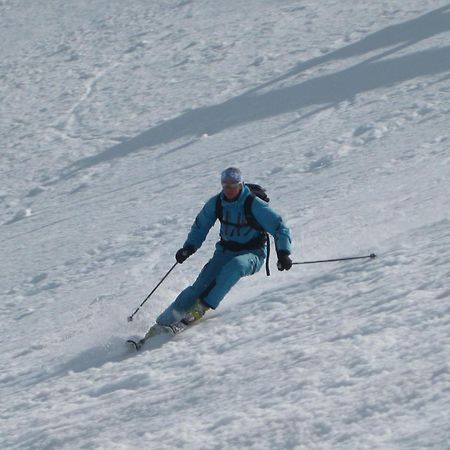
x,y
116,119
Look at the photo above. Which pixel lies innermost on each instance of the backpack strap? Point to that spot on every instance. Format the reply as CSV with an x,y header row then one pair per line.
x,y
219,208
250,218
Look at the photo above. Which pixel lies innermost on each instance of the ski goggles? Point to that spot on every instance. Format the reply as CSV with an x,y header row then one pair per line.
x,y
226,185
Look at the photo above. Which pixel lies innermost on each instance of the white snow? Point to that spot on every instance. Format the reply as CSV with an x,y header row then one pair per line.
x,y
116,119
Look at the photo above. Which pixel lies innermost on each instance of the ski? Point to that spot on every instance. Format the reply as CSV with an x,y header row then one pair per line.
x,y
135,344
157,330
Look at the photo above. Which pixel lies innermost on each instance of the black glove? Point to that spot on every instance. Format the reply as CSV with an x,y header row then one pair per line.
x,y
284,261
184,253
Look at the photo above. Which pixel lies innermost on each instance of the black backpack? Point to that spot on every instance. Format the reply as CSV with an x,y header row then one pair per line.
x,y
256,191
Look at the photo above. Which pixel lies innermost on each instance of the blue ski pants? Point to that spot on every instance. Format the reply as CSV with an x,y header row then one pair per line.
x,y
215,280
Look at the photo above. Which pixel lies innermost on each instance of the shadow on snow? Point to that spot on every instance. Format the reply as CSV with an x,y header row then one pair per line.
x,y
323,91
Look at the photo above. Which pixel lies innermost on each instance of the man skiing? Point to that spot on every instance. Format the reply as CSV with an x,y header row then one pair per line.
x,y
240,252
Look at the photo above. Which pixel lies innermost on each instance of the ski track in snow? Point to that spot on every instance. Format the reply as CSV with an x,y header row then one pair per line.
x,y
116,121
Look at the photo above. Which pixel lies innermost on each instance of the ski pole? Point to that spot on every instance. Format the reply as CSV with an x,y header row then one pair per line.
x,y
371,256
130,318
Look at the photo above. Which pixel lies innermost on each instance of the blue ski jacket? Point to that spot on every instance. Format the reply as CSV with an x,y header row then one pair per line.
x,y
234,227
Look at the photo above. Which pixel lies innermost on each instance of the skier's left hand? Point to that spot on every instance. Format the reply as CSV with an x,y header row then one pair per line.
x,y
284,261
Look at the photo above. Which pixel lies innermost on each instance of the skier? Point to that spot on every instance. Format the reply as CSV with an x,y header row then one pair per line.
x,y
240,252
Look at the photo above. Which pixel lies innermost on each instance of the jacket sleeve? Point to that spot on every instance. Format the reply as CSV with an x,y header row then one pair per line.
x,y
202,224
273,224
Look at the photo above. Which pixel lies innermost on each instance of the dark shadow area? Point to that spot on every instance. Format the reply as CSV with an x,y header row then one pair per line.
x,y
97,356
323,91
115,351
399,36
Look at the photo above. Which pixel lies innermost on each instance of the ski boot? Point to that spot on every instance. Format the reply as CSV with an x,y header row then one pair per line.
x,y
157,329
196,312
154,330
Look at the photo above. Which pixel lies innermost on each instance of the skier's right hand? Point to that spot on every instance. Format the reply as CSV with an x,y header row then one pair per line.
x,y
183,254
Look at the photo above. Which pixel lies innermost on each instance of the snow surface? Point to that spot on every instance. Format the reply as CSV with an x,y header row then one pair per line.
x,y
116,119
